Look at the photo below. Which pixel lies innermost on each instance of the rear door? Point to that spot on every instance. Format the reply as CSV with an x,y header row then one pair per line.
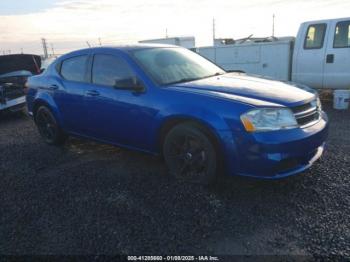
x,y
337,66
309,59
70,90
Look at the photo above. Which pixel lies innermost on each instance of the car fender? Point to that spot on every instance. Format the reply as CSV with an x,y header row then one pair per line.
x,y
43,98
204,116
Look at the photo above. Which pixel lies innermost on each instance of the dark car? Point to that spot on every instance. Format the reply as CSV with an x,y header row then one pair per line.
x,y
14,72
168,100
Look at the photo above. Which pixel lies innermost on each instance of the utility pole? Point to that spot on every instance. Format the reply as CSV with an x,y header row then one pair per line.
x,y
53,50
166,32
213,31
273,25
87,42
21,50
44,43
99,41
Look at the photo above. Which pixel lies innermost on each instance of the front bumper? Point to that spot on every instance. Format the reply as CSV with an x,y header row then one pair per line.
x,y
13,104
278,154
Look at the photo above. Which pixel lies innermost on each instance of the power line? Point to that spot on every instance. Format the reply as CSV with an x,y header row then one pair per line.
x,y
53,51
213,30
273,25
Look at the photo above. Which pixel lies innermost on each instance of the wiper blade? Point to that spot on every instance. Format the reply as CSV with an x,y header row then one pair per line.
x,y
217,74
183,80
188,79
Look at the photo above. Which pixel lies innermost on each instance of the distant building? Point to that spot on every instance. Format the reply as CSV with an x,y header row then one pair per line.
x,y
183,41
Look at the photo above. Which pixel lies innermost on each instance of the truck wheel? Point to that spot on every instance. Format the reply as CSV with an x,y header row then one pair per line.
x,y
48,127
190,155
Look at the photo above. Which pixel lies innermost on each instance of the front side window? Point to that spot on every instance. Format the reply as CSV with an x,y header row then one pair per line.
x,y
174,65
74,69
342,35
315,36
110,70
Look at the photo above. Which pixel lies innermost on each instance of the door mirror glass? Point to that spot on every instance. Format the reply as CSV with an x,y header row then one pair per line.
x,y
130,83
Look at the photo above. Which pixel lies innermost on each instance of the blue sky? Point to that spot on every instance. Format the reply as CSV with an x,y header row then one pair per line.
x,y
24,7
68,24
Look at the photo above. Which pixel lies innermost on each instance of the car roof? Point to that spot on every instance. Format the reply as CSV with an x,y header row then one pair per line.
x,y
327,20
137,46
124,48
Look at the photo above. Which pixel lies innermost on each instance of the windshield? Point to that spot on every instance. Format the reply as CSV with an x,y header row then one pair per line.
x,y
175,65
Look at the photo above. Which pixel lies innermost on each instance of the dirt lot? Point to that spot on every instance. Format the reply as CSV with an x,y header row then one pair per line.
x,y
88,198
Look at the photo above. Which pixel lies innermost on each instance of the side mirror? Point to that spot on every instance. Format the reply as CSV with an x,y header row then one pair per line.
x,y
131,83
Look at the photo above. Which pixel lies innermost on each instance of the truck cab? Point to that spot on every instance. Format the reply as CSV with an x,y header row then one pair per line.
x,y
321,56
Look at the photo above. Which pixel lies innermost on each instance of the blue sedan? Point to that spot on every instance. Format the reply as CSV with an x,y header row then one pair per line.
x,y
169,101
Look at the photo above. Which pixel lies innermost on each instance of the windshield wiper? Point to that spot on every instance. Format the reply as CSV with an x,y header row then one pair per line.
x,y
189,79
183,80
216,74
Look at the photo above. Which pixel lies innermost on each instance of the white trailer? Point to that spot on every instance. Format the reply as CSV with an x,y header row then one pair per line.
x,y
266,58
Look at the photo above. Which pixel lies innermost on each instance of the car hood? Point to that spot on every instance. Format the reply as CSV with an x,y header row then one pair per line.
x,y
18,62
17,73
252,90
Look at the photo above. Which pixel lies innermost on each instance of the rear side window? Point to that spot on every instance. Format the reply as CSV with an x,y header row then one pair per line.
x,y
74,69
108,69
315,36
342,35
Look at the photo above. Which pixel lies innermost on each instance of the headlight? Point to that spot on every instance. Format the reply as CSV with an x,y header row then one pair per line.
x,y
319,105
268,119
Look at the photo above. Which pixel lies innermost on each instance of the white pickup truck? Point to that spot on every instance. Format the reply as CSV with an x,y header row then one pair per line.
x,y
318,57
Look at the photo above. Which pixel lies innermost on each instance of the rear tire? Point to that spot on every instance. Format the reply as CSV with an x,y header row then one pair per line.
x,y
48,127
190,154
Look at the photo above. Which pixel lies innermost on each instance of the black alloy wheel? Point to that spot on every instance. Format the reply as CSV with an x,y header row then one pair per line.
x,y
48,127
190,155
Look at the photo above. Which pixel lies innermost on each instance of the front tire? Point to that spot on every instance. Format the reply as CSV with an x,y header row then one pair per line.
x,y
48,127
190,154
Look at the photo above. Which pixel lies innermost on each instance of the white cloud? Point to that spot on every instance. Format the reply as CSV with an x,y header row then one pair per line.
x,y
70,23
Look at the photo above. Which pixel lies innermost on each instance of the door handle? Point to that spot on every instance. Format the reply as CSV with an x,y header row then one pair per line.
x,y
330,58
92,93
53,87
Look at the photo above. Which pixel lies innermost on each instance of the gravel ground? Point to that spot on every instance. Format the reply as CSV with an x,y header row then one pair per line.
x,y
88,198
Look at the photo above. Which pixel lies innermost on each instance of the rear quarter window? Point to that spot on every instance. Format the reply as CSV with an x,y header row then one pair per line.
x,y
74,69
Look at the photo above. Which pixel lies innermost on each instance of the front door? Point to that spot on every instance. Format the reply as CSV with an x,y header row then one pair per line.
x,y
309,60
337,66
117,115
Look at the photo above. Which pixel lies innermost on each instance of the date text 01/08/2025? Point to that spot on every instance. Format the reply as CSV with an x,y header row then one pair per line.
x,y
173,258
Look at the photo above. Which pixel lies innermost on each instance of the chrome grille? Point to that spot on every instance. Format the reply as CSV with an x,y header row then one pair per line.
x,y
306,114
